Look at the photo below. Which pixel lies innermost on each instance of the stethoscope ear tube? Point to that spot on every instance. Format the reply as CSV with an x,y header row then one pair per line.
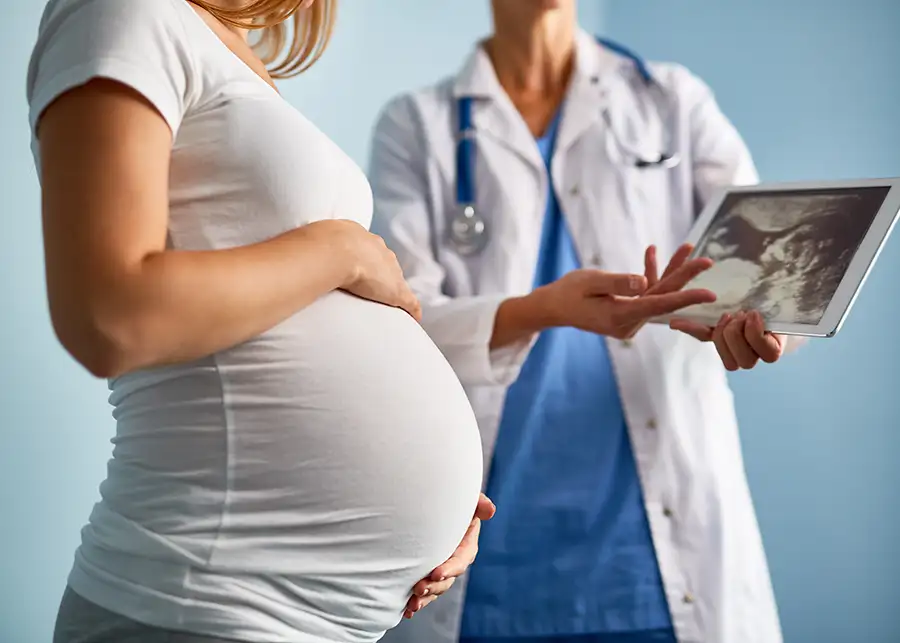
x,y
465,154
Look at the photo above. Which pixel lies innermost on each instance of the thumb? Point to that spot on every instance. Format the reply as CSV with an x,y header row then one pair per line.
x,y
614,283
697,331
485,509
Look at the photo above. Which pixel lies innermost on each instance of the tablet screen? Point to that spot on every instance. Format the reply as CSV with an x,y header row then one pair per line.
x,y
784,253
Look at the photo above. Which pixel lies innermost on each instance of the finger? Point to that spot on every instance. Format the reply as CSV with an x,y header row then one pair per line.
x,y
422,588
417,601
464,555
684,251
699,332
485,509
612,283
438,588
424,602
737,343
410,303
719,340
651,269
637,310
681,276
426,586
416,604
767,345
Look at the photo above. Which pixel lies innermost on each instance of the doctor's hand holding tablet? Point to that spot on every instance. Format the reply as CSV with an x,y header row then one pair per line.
x,y
790,260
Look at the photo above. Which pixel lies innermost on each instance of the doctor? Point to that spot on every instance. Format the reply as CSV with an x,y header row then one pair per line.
x,y
615,463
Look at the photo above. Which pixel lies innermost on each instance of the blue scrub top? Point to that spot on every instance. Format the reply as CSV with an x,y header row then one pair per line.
x,y
569,551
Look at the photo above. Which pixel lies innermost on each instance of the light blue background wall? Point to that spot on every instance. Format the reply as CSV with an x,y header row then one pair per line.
x,y
813,87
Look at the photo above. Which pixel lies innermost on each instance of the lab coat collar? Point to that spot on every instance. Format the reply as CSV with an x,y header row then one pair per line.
x,y
583,102
477,78
587,94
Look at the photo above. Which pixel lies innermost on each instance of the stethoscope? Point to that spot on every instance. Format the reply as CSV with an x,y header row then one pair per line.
x,y
468,231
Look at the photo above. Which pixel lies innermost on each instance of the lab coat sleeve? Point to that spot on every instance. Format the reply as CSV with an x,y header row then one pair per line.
x,y
460,326
720,156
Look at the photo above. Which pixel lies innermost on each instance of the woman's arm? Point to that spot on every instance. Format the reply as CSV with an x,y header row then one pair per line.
x,y
119,300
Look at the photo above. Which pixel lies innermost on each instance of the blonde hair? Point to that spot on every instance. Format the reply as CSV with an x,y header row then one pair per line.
x,y
286,49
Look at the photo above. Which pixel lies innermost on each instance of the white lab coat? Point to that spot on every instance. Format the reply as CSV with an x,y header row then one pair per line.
x,y
674,389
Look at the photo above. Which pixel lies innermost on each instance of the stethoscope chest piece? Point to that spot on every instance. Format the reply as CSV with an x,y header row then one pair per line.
x,y
468,231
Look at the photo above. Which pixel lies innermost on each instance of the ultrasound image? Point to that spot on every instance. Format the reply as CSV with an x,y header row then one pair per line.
x,y
784,253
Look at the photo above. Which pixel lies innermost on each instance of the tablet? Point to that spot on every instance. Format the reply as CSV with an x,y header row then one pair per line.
x,y
798,253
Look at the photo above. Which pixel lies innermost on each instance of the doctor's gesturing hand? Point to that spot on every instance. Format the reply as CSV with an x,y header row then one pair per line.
x,y
612,304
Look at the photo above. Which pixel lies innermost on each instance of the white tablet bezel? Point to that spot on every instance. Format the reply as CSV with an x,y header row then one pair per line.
x,y
858,270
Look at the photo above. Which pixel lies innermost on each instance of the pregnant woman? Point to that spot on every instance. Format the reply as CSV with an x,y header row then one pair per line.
x,y
293,453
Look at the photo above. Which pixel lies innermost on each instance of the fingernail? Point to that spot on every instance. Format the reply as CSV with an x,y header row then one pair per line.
x,y
425,592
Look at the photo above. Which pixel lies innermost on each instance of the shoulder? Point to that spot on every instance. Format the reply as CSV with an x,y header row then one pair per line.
x,y
140,43
720,153
108,19
123,29
419,109
681,82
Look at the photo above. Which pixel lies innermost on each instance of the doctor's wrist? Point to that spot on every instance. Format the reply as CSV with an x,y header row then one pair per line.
x,y
518,318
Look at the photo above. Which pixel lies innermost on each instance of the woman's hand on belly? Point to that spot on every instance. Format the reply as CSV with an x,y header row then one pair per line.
x,y
442,578
377,275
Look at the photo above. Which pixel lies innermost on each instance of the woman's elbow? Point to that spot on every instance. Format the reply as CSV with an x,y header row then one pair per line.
x,y
105,347
103,364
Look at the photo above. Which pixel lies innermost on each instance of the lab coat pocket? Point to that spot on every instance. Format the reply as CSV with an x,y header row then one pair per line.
x,y
714,401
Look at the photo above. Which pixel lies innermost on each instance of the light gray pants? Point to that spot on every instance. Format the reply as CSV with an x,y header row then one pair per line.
x,y
80,621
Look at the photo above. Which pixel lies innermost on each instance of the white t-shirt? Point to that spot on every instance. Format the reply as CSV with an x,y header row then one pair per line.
x,y
295,487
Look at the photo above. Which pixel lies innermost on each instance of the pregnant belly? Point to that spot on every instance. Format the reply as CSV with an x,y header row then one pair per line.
x,y
347,465
352,430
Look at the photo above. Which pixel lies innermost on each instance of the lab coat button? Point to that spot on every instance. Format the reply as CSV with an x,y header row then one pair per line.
x,y
651,423
574,190
667,512
626,343
688,598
